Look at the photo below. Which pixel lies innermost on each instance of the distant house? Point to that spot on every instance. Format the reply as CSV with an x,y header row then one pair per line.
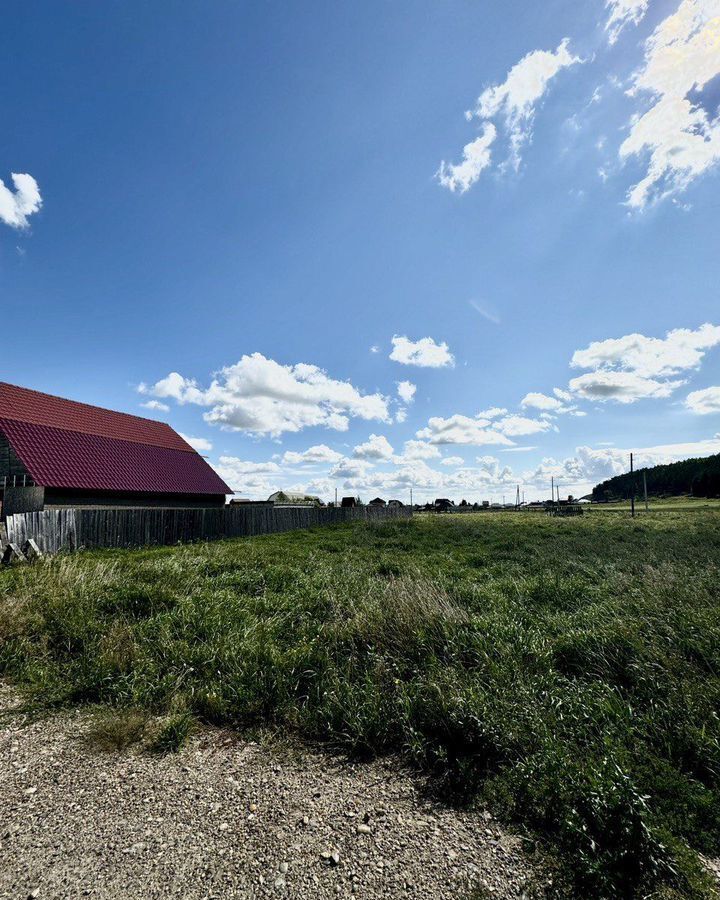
x,y
289,498
378,501
348,502
395,504
442,504
80,455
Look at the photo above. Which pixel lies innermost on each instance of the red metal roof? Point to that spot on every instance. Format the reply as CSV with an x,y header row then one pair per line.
x,y
65,444
25,405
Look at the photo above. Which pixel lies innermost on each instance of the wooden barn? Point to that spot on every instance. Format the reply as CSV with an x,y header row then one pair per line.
x,y
56,452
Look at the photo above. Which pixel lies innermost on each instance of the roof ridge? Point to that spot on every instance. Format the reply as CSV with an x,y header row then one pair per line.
x,y
105,409
21,404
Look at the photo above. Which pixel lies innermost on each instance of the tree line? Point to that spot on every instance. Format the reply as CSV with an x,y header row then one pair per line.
x,y
699,477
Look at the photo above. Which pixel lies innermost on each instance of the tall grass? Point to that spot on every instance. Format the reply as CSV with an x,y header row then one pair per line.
x,y
565,672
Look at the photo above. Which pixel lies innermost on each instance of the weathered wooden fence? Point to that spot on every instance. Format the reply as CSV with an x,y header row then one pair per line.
x,y
72,529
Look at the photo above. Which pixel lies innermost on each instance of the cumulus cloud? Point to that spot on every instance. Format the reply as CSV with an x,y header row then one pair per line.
x,y
460,429
426,352
452,461
419,450
17,205
376,447
680,349
320,453
156,405
406,391
624,387
518,426
680,131
622,13
512,105
492,413
541,401
589,466
634,367
202,445
351,469
250,479
481,429
264,397
704,402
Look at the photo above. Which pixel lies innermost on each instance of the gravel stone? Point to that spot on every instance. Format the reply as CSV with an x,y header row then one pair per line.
x,y
226,817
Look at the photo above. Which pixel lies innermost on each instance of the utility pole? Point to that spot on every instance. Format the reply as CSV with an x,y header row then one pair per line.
x,y
647,509
335,496
552,488
632,489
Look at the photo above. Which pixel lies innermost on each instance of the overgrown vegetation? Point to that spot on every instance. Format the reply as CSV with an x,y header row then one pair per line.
x,y
566,672
698,477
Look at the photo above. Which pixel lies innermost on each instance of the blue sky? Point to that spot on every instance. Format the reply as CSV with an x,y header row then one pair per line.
x,y
223,214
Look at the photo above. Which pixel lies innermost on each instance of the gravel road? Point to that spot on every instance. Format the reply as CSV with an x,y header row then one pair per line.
x,y
226,817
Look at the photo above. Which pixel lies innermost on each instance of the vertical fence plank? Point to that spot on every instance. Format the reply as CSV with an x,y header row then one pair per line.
x,y
73,529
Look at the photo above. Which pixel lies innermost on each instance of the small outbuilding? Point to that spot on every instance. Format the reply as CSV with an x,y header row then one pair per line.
x,y
290,498
379,502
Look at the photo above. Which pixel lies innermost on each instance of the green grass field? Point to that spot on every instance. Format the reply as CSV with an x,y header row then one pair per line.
x,y
565,672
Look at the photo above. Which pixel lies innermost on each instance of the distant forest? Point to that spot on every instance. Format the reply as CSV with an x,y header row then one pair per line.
x,y
699,477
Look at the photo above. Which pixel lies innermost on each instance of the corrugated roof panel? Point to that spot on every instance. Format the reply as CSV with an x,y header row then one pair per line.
x,y
62,458
34,407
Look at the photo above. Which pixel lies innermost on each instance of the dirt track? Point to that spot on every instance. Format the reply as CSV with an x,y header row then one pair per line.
x,y
228,818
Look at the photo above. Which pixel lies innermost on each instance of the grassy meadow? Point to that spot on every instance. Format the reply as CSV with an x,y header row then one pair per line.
x,y
563,672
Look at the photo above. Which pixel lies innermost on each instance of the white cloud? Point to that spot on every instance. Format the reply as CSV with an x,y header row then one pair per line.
x,y
517,426
452,461
704,402
622,13
351,468
200,444
460,429
493,413
634,367
476,158
156,405
425,352
682,139
515,99
320,453
513,104
590,466
250,479
541,401
419,450
248,467
15,207
625,387
680,349
263,397
376,447
485,312
406,391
